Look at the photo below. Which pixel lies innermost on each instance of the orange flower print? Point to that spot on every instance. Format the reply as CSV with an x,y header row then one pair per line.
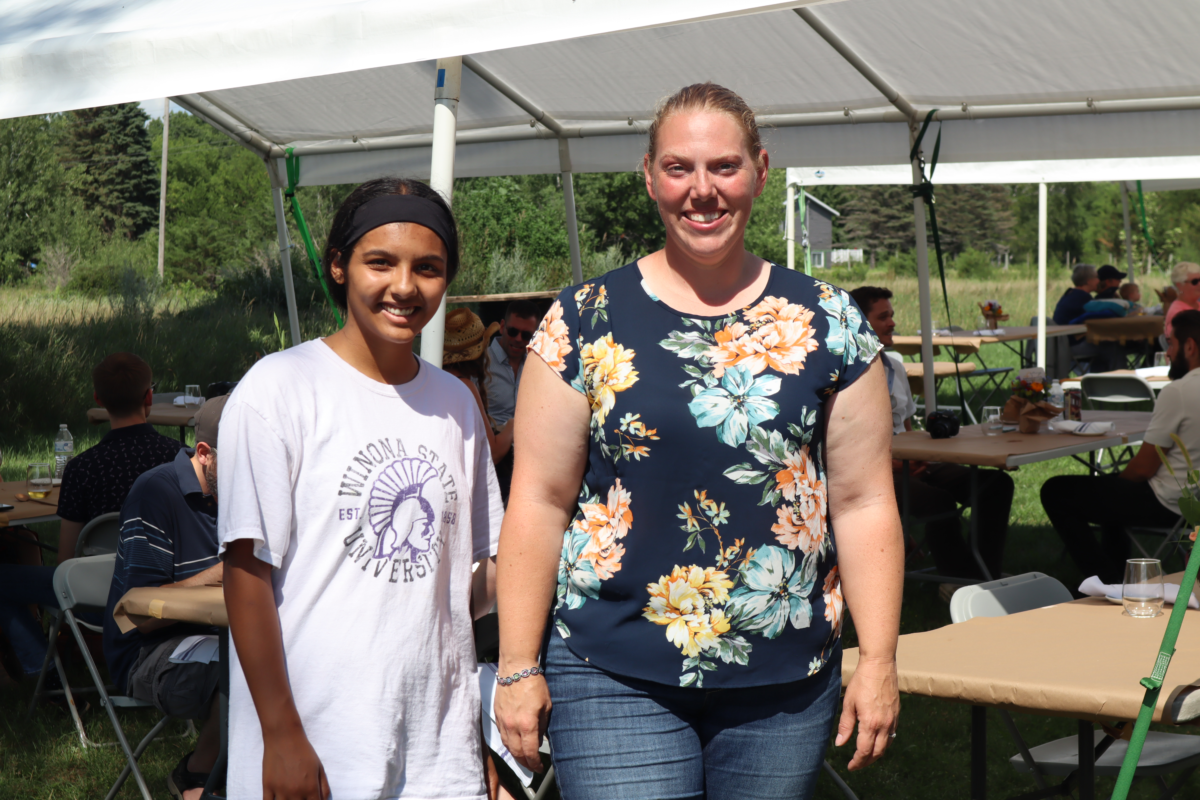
x,y
780,337
685,601
833,600
801,524
607,369
552,341
605,524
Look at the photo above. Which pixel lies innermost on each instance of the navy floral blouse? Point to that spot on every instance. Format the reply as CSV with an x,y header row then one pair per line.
x,y
701,553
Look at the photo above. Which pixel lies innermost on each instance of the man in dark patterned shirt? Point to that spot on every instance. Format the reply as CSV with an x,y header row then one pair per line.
x,y
94,483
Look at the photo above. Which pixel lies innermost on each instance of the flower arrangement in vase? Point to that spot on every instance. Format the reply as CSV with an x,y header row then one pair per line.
x,y
993,313
1028,404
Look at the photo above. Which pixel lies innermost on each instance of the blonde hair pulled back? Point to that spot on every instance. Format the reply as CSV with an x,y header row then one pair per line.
x,y
707,97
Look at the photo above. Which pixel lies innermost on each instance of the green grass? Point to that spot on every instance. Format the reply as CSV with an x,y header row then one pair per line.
x,y
50,344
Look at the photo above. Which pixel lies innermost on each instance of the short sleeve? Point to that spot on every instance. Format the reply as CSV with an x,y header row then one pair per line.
x,y
556,340
850,336
487,507
146,545
254,484
1168,414
72,504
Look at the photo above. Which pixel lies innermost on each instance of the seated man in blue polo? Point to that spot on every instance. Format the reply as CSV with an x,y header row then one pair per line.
x,y
169,538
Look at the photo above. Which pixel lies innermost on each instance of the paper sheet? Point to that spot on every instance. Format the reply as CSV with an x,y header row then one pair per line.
x,y
196,650
491,731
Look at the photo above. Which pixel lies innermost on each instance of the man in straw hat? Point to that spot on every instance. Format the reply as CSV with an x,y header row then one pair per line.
x,y
465,355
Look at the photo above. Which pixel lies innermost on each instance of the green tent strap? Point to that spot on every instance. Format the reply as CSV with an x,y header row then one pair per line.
x,y
1145,227
293,177
1154,683
924,190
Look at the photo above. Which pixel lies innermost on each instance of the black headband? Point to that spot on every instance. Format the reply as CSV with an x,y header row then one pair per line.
x,y
402,208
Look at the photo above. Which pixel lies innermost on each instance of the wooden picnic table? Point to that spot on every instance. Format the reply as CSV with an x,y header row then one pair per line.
x,y
160,414
911,345
1082,659
1157,382
1123,330
941,369
27,512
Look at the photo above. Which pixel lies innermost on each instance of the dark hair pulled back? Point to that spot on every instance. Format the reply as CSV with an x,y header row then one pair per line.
x,y
338,244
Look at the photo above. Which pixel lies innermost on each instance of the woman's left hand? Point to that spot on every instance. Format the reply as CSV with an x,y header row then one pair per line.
x,y
873,701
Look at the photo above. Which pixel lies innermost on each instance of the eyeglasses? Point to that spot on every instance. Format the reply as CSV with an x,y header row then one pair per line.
x,y
1195,281
514,333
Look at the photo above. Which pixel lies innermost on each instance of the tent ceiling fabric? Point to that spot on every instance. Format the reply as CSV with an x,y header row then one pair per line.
x,y
58,55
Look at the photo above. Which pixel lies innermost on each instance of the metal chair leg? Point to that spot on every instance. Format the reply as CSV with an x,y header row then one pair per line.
x,y
837,780
108,706
137,753
51,652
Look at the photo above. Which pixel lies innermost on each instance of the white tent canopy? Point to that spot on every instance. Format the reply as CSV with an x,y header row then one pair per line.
x,y
347,84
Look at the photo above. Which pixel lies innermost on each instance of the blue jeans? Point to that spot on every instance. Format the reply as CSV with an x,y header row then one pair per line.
x,y
20,586
615,738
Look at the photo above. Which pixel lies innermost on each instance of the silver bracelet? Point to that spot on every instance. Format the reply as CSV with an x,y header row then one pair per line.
x,y
525,673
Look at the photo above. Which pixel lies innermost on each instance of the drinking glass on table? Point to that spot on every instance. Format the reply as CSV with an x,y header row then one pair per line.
x,y
1161,360
1142,593
39,480
992,425
191,395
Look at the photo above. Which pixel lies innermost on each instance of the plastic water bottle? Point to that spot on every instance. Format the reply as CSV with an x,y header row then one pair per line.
x,y
1056,396
64,448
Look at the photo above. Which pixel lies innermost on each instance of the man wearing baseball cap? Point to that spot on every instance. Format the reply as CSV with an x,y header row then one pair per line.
x,y
1110,282
169,538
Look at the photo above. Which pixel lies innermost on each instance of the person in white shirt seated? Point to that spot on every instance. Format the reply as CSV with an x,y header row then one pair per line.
x,y
1145,492
934,489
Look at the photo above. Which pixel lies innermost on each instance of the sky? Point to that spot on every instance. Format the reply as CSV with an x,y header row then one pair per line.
x,y
155,107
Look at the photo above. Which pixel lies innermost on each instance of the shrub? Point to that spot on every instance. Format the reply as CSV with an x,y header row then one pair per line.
x,y
901,264
973,263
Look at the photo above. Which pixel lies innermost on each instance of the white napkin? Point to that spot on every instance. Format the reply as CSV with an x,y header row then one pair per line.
x,y
988,332
491,730
1152,372
196,650
185,399
1082,428
938,332
1092,587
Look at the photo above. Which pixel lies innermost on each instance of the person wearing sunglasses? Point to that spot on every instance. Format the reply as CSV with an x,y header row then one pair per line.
x,y
507,358
1186,277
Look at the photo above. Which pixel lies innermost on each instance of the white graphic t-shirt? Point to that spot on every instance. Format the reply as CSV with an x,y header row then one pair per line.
x,y
371,502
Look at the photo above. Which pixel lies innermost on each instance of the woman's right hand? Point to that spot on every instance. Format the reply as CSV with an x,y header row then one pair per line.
x,y
291,769
522,712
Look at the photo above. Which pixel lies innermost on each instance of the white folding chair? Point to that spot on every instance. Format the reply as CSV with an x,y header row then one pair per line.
x,y
1163,754
82,584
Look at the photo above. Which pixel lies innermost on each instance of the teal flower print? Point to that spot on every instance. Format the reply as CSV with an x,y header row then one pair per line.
x,y
736,405
577,579
773,592
843,323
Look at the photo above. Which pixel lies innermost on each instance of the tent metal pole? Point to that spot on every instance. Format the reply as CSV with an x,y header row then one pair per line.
x,y
285,253
441,179
1041,312
162,191
564,164
1128,227
926,301
789,226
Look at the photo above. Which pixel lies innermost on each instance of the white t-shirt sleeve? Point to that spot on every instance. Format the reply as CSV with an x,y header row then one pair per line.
x,y
487,508
254,483
1168,413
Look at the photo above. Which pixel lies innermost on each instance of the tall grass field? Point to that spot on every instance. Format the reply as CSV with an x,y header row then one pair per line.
x,y
49,344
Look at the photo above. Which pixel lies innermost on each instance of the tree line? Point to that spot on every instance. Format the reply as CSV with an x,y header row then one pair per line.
x,y
79,198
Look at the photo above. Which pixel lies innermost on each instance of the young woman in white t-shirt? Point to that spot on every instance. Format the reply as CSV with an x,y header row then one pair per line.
x,y
356,491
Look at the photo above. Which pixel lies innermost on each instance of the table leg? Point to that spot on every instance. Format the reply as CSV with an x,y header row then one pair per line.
x,y
974,525
978,753
1087,762
218,775
183,434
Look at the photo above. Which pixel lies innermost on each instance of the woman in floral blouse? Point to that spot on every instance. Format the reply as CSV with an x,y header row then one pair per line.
x,y
699,423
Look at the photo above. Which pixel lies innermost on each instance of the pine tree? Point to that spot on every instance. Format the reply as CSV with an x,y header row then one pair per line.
x,y
878,218
107,153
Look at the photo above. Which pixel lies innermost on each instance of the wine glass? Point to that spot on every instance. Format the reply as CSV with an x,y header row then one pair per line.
x,y
1161,360
39,480
191,395
992,425
1142,593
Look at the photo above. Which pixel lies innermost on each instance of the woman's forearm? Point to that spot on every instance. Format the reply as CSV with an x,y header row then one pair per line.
x,y
254,626
526,578
870,550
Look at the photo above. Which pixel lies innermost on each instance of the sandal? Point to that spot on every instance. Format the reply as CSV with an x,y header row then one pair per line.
x,y
182,779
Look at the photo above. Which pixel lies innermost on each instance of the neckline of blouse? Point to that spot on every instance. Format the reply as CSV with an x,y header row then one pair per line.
x,y
772,266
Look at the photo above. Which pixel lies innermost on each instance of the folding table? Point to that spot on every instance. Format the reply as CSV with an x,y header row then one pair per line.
x,y
160,414
1082,659
972,447
27,512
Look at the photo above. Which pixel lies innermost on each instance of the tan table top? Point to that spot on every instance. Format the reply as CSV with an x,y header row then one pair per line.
x,y
1012,333
1124,329
160,414
973,447
1081,659
941,369
30,510
1156,381
204,605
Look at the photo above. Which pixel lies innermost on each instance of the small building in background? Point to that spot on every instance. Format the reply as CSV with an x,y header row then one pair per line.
x,y
816,230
